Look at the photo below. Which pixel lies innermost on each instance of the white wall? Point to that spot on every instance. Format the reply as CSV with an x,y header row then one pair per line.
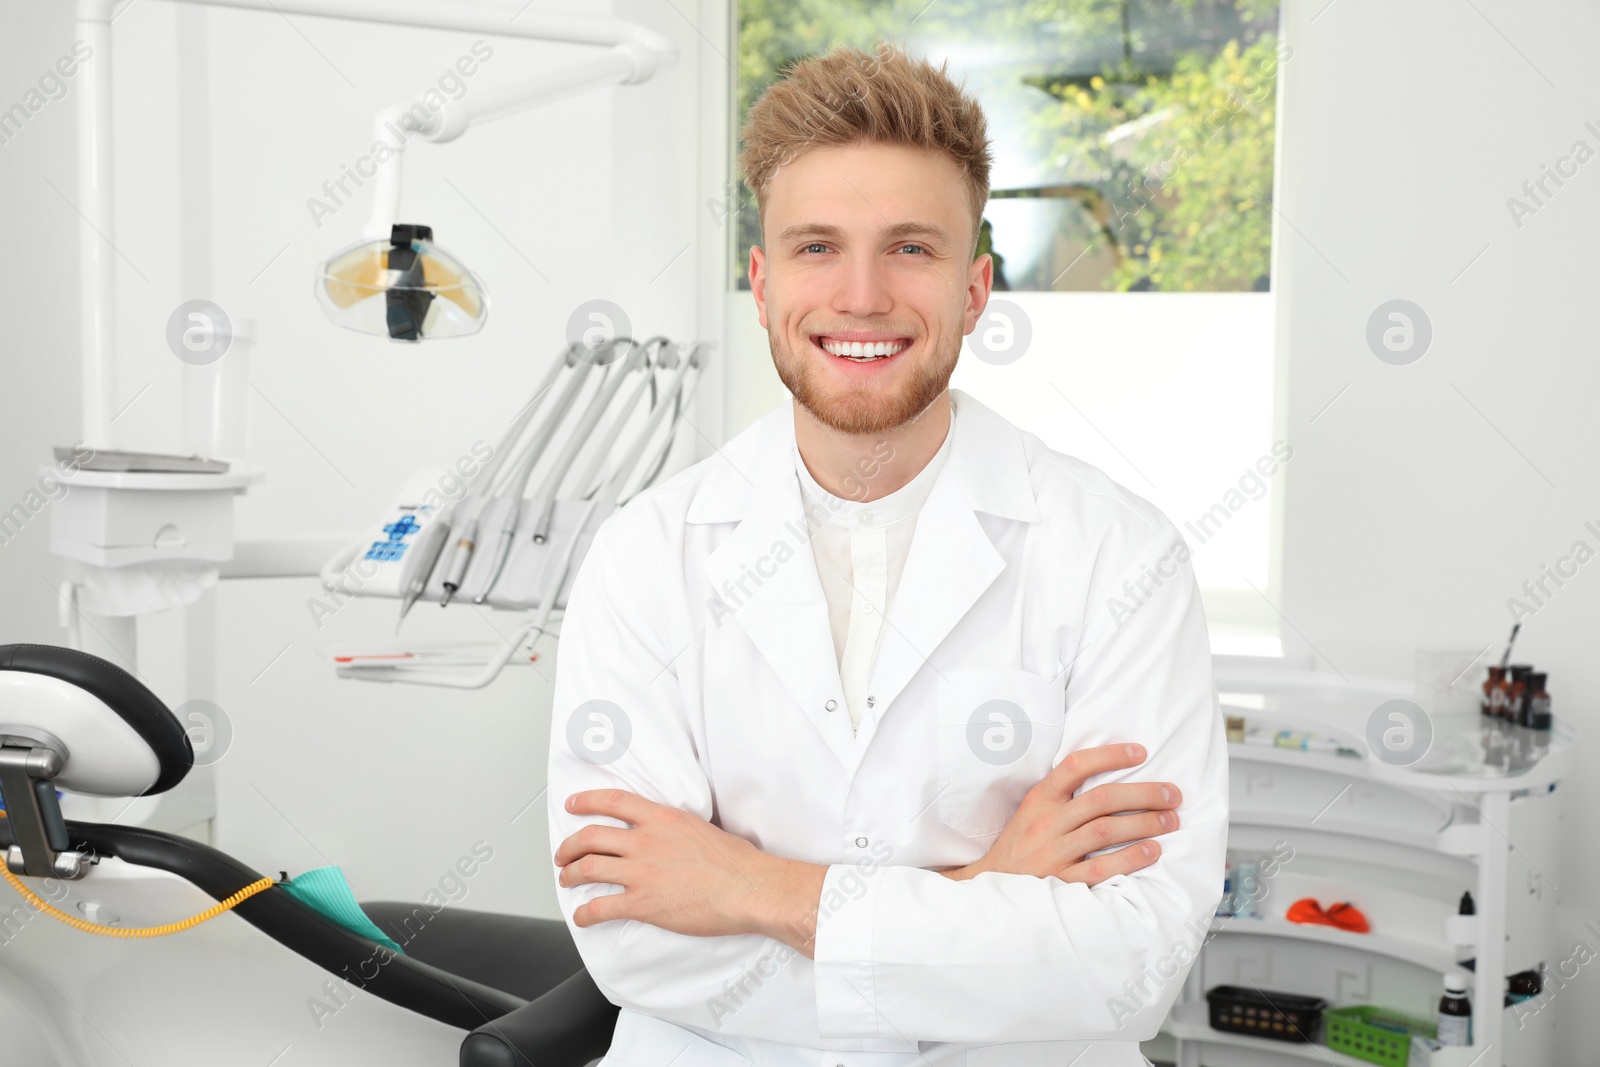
x,y
38,297
1424,496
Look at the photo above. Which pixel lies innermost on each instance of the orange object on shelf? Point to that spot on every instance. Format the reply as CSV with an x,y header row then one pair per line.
x,y
1343,915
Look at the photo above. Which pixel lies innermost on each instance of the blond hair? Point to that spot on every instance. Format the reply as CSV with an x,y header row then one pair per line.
x,y
847,97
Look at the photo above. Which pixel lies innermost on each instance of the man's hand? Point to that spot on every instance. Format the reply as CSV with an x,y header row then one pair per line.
x,y
681,873
1052,831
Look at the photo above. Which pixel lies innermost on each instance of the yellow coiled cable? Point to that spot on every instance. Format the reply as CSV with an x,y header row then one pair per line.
x,y
145,931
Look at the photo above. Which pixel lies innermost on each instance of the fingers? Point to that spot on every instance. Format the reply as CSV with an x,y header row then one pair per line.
x,y
1111,830
603,908
596,837
1068,776
592,868
1123,861
1114,797
617,803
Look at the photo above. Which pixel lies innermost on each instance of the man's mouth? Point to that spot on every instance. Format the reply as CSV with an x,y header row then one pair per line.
x,y
868,350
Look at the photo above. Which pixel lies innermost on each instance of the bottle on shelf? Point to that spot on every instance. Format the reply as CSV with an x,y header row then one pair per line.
x,y
1493,691
1247,889
1225,905
1518,691
1455,1011
1536,711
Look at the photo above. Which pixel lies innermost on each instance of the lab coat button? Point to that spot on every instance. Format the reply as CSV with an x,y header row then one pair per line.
x,y
870,701
830,705
866,518
861,842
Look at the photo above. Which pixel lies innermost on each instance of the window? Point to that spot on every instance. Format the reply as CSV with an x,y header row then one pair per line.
x,y
1131,223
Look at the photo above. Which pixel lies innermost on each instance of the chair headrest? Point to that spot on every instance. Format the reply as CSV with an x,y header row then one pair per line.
x,y
121,740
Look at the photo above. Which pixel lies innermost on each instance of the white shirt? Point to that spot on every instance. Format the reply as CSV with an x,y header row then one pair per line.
x,y
860,549
696,668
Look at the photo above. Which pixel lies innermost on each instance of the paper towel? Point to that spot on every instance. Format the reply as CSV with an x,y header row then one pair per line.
x,y
140,588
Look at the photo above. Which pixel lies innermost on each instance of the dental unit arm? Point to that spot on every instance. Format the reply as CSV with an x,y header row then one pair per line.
x,y
425,291
544,498
545,535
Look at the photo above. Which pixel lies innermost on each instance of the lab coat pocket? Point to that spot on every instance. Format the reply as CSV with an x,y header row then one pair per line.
x,y
998,735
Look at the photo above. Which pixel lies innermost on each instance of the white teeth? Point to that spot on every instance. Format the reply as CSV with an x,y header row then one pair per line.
x,y
863,351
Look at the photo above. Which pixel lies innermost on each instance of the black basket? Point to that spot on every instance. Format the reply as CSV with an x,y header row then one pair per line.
x,y
1279,1016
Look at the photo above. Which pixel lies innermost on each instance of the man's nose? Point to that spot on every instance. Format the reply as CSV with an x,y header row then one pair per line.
x,y
864,289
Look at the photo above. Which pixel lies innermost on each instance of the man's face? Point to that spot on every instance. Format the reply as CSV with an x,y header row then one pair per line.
x,y
867,243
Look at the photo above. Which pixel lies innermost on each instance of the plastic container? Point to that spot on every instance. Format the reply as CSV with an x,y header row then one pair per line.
x,y
1279,1016
1247,890
1374,1034
1225,905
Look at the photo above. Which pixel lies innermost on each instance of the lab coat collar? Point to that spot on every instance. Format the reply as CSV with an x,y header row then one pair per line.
x,y
986,459
764,577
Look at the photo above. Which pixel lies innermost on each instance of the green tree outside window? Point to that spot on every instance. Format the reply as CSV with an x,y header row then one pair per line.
x,y
1133,139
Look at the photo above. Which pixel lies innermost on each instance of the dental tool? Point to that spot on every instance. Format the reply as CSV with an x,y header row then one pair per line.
x,y
517,484
429,548
457,558
600,504
636,359
459,561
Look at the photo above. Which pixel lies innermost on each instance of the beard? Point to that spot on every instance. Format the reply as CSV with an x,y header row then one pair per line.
x,y
866,410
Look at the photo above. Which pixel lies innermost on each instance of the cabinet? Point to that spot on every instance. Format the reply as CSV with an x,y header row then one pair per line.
x,y
1401,836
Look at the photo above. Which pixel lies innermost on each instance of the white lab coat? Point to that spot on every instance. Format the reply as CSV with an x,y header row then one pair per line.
x,y
699,614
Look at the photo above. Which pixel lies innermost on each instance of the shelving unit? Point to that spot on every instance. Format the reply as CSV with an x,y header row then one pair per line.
x,y
1434,955
1402,843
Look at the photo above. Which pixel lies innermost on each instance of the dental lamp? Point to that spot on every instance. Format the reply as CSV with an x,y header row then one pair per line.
x,y
631,54
404,287
396,282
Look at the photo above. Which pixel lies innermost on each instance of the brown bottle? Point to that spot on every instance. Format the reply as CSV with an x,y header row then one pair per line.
x,y
1497,676
1536,712
1517,691
1500,695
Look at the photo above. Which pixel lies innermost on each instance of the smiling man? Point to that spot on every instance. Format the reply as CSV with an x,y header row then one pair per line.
x,y
847,733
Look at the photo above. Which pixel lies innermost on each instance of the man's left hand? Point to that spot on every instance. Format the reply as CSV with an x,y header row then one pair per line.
x,y
680,873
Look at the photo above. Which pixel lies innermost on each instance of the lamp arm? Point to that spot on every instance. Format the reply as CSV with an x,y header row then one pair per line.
x,y
624,64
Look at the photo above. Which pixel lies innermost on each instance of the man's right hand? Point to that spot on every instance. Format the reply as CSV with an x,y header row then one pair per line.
x,y
1052,831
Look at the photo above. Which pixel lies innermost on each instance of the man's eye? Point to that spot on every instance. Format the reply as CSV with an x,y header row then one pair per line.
x,y
814,244
919,248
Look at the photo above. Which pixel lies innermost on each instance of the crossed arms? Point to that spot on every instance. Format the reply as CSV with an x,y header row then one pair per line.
x,y
681,873
1047,936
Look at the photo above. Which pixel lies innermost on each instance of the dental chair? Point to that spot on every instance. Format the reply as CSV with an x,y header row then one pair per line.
x,y
72,720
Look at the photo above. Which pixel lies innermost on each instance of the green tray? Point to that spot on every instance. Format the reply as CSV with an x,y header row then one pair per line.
x,y
1376,1035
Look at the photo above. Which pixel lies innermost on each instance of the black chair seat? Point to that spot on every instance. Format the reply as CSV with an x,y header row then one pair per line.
x,y
523,956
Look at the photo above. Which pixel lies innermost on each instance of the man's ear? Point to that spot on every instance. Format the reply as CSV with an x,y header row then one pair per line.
x,y
980,284
758,282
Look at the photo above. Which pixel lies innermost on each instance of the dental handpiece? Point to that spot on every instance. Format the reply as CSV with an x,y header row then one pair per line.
x,y
508,527
459,561
428,553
